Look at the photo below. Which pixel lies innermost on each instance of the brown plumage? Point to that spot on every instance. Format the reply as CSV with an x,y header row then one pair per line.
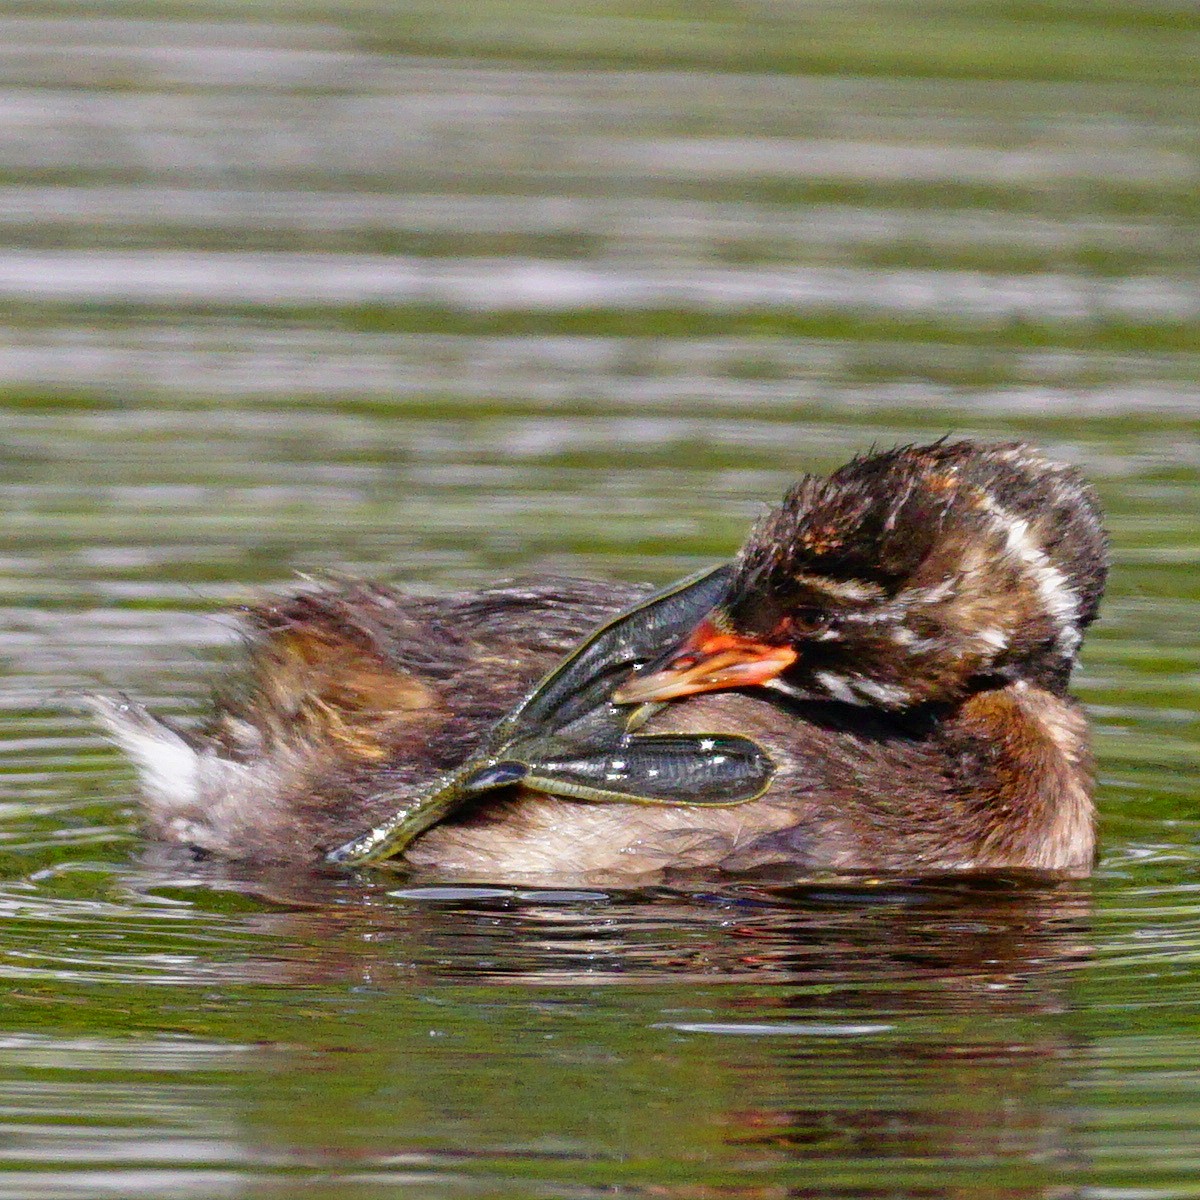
x,y
914,618
351,696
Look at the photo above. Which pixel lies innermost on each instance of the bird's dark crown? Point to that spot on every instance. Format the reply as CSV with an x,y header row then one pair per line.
x,y
915,574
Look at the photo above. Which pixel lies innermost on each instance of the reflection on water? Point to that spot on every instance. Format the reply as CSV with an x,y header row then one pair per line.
x,y
839,1040
445,297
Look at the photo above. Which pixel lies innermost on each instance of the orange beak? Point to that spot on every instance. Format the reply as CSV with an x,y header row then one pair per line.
x,y
707,660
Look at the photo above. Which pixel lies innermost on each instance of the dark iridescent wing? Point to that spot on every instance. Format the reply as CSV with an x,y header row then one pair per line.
x,y
586,678
404,825
565,737
701,770
713,770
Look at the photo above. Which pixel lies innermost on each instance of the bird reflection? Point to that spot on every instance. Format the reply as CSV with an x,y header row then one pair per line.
x,y
845,1037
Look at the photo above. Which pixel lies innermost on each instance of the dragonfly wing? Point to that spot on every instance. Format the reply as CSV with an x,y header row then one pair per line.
x,y
588,677
711,770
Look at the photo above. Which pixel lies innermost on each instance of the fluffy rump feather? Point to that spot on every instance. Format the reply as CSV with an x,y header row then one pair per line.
x,y
351,697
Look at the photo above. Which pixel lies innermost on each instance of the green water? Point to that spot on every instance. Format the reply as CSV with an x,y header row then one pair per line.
x,y
443,294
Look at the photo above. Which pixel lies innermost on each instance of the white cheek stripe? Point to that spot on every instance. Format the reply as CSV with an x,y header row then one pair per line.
x,y
903,636
836,686
1070,640
994,639
886,694
841,589
862,691
1056,593
934,594
898,608
788,689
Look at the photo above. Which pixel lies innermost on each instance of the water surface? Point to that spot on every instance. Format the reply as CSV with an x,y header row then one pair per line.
x,y
443,297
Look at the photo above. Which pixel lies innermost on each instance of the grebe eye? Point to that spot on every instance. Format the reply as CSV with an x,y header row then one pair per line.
x,y
809,620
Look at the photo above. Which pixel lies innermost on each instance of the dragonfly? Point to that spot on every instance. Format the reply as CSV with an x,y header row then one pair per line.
x,y
567,738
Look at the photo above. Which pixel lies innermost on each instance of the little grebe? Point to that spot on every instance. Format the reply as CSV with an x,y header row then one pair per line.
x,y
900,636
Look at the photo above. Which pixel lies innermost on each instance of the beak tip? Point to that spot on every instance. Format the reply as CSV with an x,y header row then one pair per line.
x,y
706,660
627,693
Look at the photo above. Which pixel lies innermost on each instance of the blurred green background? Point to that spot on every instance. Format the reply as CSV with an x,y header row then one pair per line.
x,y
445,293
